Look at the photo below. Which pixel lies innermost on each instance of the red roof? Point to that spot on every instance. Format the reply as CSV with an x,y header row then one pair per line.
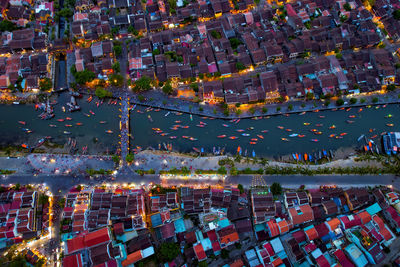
x,y
198,249
322,261
97,237
273,228
365,217
269,249
132,258
343,260
299,236
310,247
311,233
75,244
355,220
73,260
212,235
216,246
382,228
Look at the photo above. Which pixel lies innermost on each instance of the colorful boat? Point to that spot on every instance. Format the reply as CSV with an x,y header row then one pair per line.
x,y
293,135
302,113
52,125
306,123
319,125
252,143
232,137
314,140
374,136
285,139
264,131
185,137
68,118
352,116
349,121
301,135
68,125
332,127
79,123
185,126
25,146
390,124
318,133
332,135
156,129
221,136
172,137
389,116
200,125
225,125
196,149
60,120
66,132
254,139
321,116
109,131
245,134
280,127
260,136
193,139
239,130
22,122
91,112
288,130
343,134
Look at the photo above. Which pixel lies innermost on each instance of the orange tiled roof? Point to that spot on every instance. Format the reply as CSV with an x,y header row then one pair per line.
x,y
273,228
333,224
311,234
132,258
233,237
283,226
365,217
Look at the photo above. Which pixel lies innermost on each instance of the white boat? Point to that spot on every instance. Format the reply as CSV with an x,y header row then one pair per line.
x,y
16,103
166,114
293,135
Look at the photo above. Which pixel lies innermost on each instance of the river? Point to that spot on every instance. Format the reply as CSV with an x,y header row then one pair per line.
x,y
93,133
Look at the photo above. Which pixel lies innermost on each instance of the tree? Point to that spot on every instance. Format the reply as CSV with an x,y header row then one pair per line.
x,y
130,158
241,189
252,110
141,85
240,66
276,189
116,80
45,84
65,12
347,7
339,102
8,26
221,170
116,67
102,93
116,159
339,55
396,14
168,252
235,42
156,52
167,88
264,110
391,87
82,77
117,50
375,100
290,107
353,100
224,254
215,34
195,87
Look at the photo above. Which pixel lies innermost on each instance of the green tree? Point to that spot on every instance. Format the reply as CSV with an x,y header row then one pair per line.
x,y
216,34
375,100
276,189
339,102
130,158
396,14
290,107
116,80
102,93
82,77
116,159
116,67
167,88
117,50
168,252
195,87
347,7
156,52
6,25
225,254
45,84
235,42
65,12
141,85
391,87
353,100
221,170
264,110
362,100
240,66
241,189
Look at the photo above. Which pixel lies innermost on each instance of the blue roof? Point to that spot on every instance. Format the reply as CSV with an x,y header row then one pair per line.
x,y
356,255
373,209
156,220
179,226
224,223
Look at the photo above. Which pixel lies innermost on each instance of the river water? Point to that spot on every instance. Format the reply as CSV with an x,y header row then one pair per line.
x,y
93,134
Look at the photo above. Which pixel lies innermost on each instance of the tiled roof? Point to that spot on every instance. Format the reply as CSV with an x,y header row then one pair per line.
x,y
311,233
343,260
132,258
365,217
273,228
198,249
333,224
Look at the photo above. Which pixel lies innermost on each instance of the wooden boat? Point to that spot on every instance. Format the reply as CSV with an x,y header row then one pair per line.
x,y
301,135
68,125
349,121
253,143
156,129
221,136
250,128
389,116
390,124
52,125
22,122
172,137
91,112
319,125
185,137
260,136
240,130
232,137
306,123
254,139
285,139
60,120
288,130
68,118
343,134
313,130
264,131
321,116
225,125
374,136
79,123
280,127
66,132
109,131
193,139
302,113
352,116
314,140
200,125
185,126
332,127
196,149
332,135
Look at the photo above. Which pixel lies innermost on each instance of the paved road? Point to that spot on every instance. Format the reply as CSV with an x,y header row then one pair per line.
x,y
64,183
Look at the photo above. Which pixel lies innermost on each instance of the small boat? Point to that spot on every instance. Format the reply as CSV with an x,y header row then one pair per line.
x,y
254,139
352,116
68,118
349,121
91,112
250,128
348,109
252,143
306,123
280,127
52,125
178,121
319,132
172,137
87,115
196,149
319,125
293,135
343,134
260,136
25,146
314,140
29,131
313,130
374,136
156,129
79,123
332,135
264,131
193,139
68,125
185,137
66,132
332,127
301,135
288,130
240,130
237,121
232,137
102,122
22,122
60,120
389,116
15,103
191,117
200,125
185,126
321,116
149,117
302,113
225,125
339,137
245,134
109,131
166,114
221,136
285,139
390,124
360,109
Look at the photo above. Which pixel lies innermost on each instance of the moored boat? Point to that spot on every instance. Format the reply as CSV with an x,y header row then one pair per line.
x,y
285,139
109,131
232,137
221,136
260,136
314,140
245,134
22,122
66,132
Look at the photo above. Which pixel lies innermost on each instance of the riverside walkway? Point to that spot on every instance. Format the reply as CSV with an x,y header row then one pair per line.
x,y
124,127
